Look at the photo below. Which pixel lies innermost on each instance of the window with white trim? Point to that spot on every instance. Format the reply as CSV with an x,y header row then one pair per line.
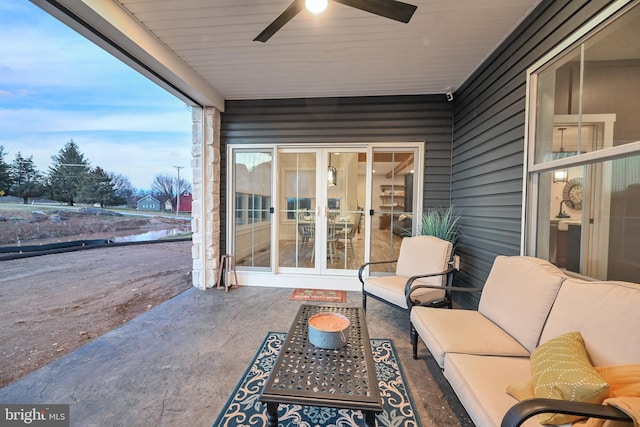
x,y
583,150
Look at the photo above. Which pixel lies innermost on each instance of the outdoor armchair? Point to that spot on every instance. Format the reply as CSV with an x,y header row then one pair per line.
x,y
423,260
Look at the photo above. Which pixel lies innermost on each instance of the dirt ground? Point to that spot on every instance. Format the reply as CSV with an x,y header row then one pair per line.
x,y
32,225
53,304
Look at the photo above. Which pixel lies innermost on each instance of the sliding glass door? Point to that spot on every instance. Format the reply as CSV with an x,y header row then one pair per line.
x,y
298,215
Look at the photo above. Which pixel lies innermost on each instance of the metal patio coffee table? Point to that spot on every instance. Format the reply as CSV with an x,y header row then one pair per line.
x,y
307,375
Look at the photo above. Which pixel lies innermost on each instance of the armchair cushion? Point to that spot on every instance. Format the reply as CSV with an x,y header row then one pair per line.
x,y
422,255
391,289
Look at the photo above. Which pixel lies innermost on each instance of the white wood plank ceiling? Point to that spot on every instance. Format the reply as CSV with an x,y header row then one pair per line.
x,y
344,52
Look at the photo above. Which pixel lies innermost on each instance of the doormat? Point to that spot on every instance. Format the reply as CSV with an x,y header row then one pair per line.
x,y
321,295
244,409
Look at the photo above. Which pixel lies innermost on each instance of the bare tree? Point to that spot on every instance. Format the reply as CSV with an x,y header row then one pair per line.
x,y
163,188
166,187
123,187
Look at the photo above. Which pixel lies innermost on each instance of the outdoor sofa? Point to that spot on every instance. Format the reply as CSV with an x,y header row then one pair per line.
x,y
528,329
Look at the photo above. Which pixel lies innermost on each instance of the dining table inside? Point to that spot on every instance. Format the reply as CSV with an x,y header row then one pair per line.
x,y
339,230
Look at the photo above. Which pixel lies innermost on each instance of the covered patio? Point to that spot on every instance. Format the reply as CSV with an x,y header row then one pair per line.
x,y
177,364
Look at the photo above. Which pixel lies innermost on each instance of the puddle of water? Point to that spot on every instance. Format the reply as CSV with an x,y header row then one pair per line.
x,y
150,235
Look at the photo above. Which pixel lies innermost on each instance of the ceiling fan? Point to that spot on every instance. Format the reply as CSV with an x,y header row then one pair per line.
x,y
392,9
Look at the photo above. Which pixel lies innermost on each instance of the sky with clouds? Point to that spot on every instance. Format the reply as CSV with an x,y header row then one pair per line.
x,y
55,86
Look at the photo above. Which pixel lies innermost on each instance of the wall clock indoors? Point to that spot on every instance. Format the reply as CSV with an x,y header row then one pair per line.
x,y
572,192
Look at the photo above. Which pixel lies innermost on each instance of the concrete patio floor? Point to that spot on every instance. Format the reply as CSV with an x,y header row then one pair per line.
x,y
177,364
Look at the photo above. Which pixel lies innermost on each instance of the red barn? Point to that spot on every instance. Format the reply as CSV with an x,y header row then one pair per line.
x,y
186,198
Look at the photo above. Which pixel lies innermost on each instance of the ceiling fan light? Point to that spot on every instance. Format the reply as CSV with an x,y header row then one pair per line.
x,y
316,6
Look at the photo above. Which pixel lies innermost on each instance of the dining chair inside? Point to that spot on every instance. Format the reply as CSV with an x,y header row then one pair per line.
x,y
351,233
331,241
307,238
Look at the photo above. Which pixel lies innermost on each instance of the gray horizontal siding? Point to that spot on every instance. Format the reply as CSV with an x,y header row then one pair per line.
x,y
368,119
488,147
418,118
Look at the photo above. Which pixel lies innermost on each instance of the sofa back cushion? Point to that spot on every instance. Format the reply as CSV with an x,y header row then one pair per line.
x,y
422,255
607,314
518,296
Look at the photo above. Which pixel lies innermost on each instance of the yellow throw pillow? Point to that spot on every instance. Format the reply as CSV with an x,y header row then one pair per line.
x,y
521,391
561,369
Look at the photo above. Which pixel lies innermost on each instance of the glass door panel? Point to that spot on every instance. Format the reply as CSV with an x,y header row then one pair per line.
x,y
321,209
297,209
392,204
251,207
345,201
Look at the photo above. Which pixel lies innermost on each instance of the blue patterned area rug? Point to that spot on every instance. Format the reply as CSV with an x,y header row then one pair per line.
x,y
244,409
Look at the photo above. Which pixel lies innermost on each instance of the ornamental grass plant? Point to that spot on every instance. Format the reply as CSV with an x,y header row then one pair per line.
x,y
443,223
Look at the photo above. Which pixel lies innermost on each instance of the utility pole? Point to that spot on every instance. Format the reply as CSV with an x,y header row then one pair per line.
x,y
178,190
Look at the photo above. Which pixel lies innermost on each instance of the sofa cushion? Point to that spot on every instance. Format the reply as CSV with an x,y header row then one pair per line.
x,y
480,383
462,331
561,369
607,315
518,296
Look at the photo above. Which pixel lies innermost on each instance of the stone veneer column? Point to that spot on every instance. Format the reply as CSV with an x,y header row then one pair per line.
x,y
206,196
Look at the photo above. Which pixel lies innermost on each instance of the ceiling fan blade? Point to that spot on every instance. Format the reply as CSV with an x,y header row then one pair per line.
x,y
392,9
286,16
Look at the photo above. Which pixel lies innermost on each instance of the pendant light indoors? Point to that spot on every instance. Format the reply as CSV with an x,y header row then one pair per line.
x,y
561,175
331,173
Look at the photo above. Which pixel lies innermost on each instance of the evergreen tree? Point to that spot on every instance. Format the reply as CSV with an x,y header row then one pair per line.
x,y
68,174
5,175
26,181
99,188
